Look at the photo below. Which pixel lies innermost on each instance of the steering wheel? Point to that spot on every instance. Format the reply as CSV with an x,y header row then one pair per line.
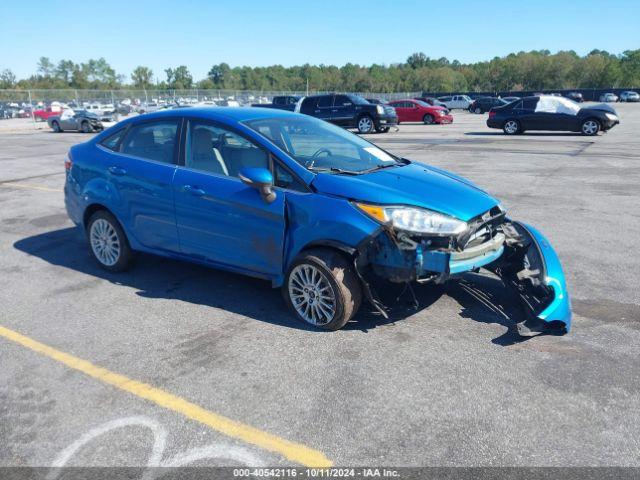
x,y
317,153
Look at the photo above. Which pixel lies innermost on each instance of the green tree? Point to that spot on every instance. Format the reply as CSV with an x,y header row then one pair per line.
x,y
179,78
142,77
7,79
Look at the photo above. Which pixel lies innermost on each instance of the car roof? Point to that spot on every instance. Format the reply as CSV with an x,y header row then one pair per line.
x,y
237,114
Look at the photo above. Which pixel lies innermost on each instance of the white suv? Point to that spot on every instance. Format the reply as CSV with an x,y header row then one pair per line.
x,y
456,101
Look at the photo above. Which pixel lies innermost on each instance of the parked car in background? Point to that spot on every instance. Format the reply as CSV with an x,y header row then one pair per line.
x,y
148,107
410,110
281,102
296,201
80,120
575,96
434,102
456,101
629,96
42,114
552,113
349,111
510,99
608,97
484,104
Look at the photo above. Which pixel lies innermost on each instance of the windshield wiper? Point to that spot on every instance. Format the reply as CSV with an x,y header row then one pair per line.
x,y
380,167
336,170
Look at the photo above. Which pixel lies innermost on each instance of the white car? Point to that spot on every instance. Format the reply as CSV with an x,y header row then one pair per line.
x,y
456,101
629,97
608,97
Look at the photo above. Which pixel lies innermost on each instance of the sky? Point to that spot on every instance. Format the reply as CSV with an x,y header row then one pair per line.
x,y
199,33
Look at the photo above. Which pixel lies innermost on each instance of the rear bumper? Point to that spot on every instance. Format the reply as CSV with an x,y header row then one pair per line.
x,y
494,123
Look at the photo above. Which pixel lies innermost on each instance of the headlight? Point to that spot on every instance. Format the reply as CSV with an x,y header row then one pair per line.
x,y
416,220
611,116
380,109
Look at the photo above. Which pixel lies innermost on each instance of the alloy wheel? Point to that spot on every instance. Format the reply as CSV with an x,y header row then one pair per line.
x,y
590,127
105,243
365,125
511,127
312,295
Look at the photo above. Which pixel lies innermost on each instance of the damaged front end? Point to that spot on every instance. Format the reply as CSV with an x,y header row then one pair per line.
x,y
515,252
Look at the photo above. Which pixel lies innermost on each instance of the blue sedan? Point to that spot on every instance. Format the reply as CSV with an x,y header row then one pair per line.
x,y
312,208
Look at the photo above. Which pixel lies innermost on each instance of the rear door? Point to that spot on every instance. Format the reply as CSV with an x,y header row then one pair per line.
x,y
142,173
220,219
525,113
324,108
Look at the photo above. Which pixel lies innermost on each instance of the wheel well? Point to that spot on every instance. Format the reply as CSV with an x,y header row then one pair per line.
x,y
91,209
595,119
330,245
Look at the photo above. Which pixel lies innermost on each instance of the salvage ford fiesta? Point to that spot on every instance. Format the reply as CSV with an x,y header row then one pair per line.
x,y
314,209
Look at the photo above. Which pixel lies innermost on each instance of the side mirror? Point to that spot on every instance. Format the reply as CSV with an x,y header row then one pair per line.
x,y
260,179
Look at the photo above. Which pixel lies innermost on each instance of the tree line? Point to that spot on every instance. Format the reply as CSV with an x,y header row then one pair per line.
x,y
534,70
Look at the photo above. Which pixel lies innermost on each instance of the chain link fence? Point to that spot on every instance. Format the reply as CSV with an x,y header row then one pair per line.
x,y
23,103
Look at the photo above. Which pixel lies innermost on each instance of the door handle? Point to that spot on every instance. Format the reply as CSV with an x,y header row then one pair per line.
x,y
195,191
115,170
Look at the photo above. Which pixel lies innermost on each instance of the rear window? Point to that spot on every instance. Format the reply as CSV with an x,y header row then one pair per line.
x,y
325,101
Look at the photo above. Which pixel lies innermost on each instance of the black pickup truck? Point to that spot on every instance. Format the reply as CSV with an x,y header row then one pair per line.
x,y
283,102
350,111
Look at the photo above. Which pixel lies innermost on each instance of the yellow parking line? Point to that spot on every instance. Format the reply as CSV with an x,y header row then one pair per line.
x,y
290,450
31,187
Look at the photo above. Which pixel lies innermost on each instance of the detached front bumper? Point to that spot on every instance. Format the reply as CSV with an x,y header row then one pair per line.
x,y
517,253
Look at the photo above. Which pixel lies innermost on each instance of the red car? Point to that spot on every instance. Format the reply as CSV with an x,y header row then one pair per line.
x,y
43,114
418,111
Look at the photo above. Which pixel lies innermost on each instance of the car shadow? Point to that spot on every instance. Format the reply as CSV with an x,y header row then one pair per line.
x,y
525,134
482,299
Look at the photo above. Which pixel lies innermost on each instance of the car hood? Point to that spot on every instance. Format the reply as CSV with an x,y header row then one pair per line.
x,y
601,106
414,184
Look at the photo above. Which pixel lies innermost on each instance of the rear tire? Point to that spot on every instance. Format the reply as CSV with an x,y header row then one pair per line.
x,y
322,289
428,119
477,110
108,242
511,127
590,127
365,124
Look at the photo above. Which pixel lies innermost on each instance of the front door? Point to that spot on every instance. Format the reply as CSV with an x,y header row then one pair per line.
x,y
219,218
343,112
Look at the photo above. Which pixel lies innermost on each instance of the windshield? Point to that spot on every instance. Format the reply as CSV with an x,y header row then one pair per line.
x,y
322,147
421,103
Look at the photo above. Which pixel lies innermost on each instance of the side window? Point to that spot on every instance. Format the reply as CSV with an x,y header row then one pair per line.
x,y
342,101
325,101
112,141
284,179
217,150
308,104
153,141
529,103
518,105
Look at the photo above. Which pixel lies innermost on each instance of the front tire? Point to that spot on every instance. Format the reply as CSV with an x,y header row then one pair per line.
x,y
85,127
322,289
511,127
108,242
365,124
590,127
56,127
428,119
